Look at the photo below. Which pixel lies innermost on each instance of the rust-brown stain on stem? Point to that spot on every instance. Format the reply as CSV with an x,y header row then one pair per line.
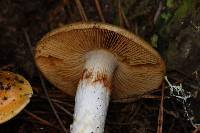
x,y
100,77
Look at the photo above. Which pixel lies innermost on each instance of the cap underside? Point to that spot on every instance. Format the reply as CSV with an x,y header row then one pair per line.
x,y
15,93
60,57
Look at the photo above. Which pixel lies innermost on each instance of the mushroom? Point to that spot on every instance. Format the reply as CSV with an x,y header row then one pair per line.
x,y
94,61
15,93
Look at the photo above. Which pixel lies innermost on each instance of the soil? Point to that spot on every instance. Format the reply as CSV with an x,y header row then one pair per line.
x,y
179,46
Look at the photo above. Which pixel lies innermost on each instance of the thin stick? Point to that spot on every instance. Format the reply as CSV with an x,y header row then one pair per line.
x,y
42,121
121,22
136,28
81,10
56,100
125,19
131,100
51,104
44,86
99,10
122,15
7,66
160,116
65,110
158,12
123,123
197,129
151,97
58,8
61,102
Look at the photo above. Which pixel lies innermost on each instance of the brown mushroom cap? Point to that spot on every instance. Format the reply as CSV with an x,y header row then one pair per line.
x,y
15,93
60,57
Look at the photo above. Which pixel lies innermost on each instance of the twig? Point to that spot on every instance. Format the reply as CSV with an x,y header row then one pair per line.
x,y
123,16
125,19
171,128
136,28
99,10
42,121
158,12
46,112
65,110
136,110
58,9
126,100
44,86
172,113
180,120
151,97
130,100
160,116
197,130
121,22
56,100
81,10
61,102
7,66
51,104
123,123
169,112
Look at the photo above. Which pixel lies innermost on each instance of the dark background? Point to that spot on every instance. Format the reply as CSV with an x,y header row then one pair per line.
x,y
171,26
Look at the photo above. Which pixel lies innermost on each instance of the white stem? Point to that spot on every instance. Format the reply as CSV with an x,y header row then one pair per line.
x,y
93,93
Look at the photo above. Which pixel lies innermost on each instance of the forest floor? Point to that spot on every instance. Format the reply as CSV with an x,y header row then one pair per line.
x,y
171,26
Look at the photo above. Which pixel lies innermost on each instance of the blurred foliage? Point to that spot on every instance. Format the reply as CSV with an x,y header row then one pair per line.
x,y
186,7
170,3
175,12
154,40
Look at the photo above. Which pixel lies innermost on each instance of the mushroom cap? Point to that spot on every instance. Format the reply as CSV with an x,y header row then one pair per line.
x,y
15,93
60,56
